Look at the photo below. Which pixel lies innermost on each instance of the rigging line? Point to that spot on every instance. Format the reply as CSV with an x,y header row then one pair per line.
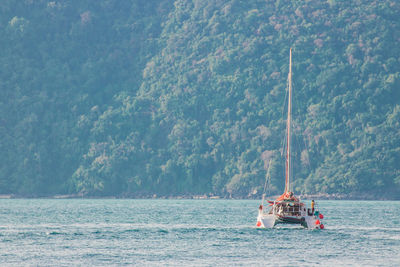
x,y
296,124
284,100
301,127
307,148
283,141
267,182
267,176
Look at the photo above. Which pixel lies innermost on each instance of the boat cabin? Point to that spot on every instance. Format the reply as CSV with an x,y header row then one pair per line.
x,y
288,208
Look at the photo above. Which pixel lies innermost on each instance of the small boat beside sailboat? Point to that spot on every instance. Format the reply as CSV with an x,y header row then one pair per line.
x,y
287,208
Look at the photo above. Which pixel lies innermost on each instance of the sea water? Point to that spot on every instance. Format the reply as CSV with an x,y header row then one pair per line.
x,y
69,232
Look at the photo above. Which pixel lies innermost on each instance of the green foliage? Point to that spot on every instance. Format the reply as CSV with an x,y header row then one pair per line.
x,y
132,98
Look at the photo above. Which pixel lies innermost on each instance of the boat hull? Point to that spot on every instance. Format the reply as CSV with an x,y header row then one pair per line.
x,y
267,221
271,220
291,220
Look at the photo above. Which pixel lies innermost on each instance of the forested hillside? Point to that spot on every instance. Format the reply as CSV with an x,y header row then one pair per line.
x,y
142,97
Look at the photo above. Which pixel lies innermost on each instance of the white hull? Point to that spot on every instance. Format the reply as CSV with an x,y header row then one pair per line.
x,y
265,220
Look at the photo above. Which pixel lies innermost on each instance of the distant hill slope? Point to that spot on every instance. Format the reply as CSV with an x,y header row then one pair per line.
x,y
132,98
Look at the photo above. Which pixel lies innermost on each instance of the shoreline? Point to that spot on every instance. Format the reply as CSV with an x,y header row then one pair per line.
x,y
321,196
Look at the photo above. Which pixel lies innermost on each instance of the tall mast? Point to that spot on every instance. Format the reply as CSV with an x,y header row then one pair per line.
x,y
288,126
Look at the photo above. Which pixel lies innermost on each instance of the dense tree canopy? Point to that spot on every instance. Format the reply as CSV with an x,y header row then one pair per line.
x,y
143,97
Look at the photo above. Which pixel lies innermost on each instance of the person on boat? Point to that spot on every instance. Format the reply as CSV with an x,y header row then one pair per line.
x,y
280,211
312,206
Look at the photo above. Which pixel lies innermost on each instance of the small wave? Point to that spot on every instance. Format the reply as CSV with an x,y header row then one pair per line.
x,y
364,228
77,234
55,233
131,230
92,255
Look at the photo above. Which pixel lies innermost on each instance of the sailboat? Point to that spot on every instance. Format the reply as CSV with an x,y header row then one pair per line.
x,y
287,208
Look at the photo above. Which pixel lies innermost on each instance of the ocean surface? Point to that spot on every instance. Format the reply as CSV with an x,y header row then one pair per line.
x,y
99,232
